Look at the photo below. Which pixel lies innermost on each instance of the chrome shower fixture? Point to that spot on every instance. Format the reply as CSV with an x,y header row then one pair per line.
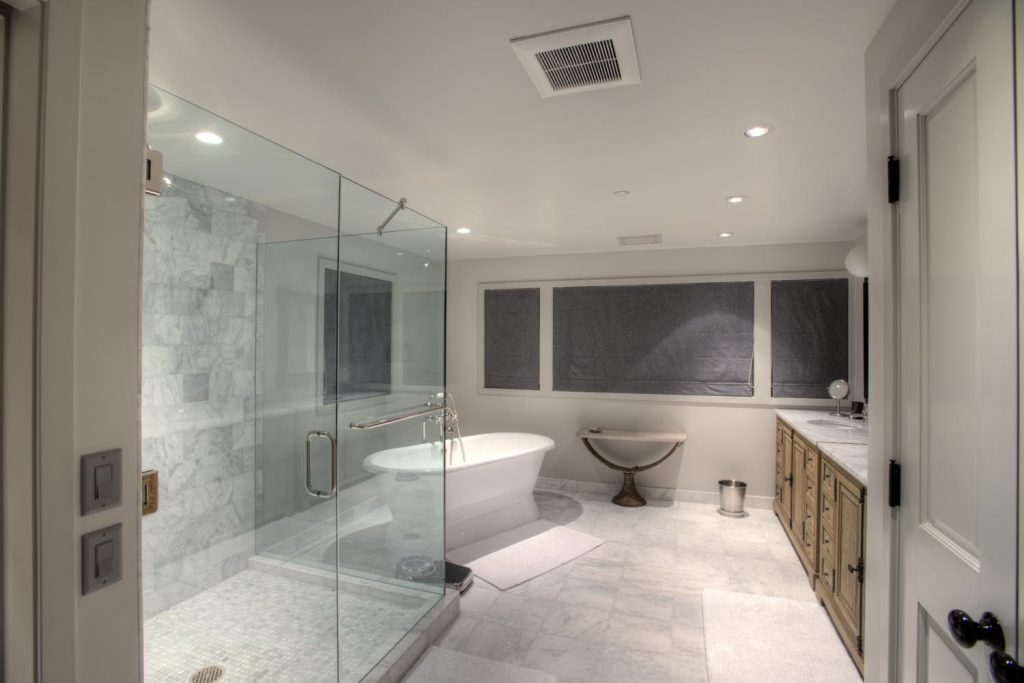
x,y
401,205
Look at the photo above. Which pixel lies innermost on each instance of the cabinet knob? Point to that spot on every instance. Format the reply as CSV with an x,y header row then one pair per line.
x,y
789,479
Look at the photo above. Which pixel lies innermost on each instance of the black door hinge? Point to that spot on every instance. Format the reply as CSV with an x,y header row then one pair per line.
x,y
893,168
894,484
860,645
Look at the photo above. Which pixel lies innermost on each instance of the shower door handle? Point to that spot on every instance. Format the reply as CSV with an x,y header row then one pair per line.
x,y
334,464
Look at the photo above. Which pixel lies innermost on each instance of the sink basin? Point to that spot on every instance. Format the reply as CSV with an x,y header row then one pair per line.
x,y
835,424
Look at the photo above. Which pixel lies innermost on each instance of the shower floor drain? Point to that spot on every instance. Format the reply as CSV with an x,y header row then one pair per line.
x,y
208,674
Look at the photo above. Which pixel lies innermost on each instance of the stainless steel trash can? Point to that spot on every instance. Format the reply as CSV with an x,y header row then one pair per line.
x,y
731,494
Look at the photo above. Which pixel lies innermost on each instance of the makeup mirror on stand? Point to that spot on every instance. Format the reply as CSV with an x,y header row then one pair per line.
x,y
838,390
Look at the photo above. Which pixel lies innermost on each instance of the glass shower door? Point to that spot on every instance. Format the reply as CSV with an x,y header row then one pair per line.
x,y
297,453
389,372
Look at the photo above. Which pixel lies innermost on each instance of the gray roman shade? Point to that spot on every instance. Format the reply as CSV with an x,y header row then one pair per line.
x,y
357,363
512,338
810,337
677,339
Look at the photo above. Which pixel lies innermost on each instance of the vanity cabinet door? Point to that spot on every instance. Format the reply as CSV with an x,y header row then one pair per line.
x,y
797,488
849,574
784,496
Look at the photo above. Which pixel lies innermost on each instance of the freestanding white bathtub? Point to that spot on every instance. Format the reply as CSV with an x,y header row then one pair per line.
x,y
489,489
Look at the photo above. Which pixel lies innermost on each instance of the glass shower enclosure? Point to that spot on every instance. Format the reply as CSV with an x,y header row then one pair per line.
x,y
286,340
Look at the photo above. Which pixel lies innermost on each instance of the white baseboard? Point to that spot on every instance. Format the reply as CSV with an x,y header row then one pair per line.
x,y
681,495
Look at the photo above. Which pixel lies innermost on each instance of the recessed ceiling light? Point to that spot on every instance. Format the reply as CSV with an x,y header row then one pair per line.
x,y
168,182
725,234
463,231
736,199
209,138
620,193
399,253
426,265
759,131
229,200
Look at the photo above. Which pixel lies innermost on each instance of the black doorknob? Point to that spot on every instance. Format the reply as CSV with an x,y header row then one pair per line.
x,y
1004,669
967,631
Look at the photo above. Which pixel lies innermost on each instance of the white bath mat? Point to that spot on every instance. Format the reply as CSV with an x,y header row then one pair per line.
x,y
775,640
447,666
516,556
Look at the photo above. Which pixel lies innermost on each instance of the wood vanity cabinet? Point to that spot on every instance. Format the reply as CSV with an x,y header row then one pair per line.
x,y
840,585
821,508
796,493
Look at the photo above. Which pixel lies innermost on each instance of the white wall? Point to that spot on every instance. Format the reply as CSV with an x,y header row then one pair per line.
x,y
725,440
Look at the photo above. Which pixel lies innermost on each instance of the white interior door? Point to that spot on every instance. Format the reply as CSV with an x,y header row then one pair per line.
x,y
958,345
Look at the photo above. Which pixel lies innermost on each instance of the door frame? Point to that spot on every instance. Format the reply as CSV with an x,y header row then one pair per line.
x,y
912,28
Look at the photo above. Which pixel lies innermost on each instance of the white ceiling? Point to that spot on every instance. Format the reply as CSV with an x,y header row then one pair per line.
x,y
427,100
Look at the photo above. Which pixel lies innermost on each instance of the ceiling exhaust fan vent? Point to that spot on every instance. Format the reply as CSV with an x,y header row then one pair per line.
x,y
589,57
634,240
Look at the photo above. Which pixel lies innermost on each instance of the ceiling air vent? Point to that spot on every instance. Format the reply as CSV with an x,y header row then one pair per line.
x,y
589,57
634,240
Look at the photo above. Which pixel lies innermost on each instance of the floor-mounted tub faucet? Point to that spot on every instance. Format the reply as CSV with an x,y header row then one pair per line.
x,y
448,418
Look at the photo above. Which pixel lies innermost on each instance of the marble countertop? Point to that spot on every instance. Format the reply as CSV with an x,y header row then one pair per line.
x,y
845,440
852,456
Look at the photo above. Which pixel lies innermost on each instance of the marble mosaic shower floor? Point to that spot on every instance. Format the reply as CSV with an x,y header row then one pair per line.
x,y
270,628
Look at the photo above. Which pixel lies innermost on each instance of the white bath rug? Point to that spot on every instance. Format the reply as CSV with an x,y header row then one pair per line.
x,y
447,666
775,640
516,556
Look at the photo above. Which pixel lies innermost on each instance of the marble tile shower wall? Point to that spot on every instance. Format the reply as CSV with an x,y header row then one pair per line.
x,y
198,387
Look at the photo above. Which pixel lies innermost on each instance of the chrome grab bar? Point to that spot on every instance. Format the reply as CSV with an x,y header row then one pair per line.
x,y
385,420
334,464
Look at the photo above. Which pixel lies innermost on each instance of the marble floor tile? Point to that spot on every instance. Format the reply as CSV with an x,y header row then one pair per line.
x,y
595,570
457,635
617,665
546,586
587,593
688,636
577,621
630,610
572,661
498,642
639,633
639,600
478,598
662,556
686,667
518,611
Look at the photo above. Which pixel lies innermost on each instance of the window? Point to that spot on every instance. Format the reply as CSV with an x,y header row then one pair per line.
x,y
512,338
810,337
678,339
358,363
